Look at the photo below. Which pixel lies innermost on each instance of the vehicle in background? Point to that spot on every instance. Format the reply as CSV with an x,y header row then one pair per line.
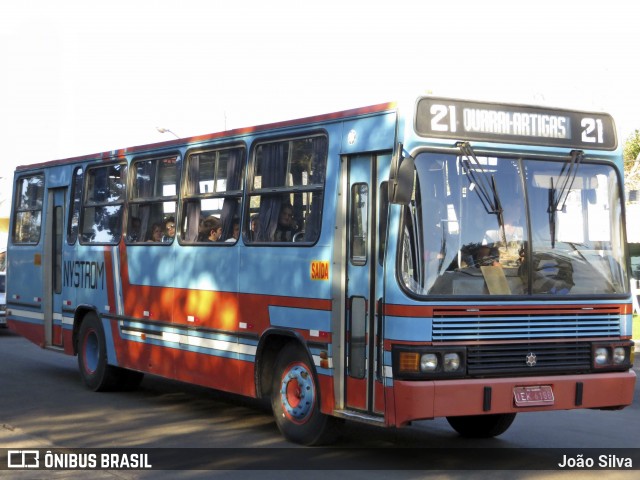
x,y
3,300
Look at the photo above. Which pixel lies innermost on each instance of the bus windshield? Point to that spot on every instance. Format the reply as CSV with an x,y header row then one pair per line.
x,y
489,225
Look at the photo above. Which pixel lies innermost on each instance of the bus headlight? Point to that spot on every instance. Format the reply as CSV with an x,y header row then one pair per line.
x,y
451,362
427,363
601,356
619,355
613,356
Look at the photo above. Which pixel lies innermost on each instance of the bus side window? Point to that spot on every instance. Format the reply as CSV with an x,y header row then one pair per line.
x,y
286,191
28,212
103,204
383,222
153,199
213,189
74,211
359,223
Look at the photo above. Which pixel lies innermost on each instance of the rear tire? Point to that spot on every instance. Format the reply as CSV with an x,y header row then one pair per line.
x,y
95,372
295,399
482,426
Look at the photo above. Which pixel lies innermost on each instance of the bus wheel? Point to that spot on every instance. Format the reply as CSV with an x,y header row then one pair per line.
x,y
482,426
92,356
295,400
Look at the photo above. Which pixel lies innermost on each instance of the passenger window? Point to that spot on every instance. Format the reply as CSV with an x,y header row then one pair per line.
x,y
384,220
359,223
153,200
103,204
287,191
28,212
74,211
213,196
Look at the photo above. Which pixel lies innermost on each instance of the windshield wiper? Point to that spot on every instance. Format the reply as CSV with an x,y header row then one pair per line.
x,y
483,184
558,199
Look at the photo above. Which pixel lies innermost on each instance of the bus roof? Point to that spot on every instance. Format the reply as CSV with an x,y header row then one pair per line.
x,y
327,117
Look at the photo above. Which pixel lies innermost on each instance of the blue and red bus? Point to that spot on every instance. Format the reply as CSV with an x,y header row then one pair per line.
x,y
387,264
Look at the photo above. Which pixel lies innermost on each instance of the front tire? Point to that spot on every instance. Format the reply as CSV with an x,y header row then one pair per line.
x,y
295,399
482,426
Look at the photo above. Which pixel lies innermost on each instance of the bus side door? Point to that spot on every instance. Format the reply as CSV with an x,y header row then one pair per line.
x,y
363,382
52,278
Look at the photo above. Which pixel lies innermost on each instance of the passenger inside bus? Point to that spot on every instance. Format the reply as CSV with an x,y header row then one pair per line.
x,y
170,230
156,233
253,226
235,231
211,230
287,225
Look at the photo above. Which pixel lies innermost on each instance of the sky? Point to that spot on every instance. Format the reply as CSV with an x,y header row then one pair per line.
x,y
82,76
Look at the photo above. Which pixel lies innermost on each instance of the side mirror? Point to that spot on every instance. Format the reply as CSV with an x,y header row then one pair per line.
x,y
402,178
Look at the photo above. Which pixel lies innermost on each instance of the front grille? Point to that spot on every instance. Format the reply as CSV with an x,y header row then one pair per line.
x,y
511,359
482,324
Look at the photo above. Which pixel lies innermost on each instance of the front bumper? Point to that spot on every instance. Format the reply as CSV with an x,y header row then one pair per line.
x,y
419,400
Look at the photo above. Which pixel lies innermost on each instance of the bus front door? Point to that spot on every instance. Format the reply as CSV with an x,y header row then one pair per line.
x,y
52,264
363,385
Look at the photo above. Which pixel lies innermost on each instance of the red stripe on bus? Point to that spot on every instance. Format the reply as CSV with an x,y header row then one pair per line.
x,y
482,310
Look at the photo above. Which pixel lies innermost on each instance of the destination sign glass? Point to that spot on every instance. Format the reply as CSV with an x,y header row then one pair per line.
x,y
466,120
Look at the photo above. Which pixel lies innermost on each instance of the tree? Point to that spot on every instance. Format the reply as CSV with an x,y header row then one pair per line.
x,y
631,156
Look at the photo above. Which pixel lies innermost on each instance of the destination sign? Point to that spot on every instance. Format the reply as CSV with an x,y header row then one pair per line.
x,y
466,120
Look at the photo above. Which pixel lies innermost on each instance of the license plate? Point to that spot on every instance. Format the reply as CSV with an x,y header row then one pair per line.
x,y
531,396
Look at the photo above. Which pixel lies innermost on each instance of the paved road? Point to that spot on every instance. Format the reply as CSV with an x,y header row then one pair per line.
x,y
44,405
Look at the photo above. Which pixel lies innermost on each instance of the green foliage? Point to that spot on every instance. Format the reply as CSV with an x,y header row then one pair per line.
x,y
631,158
632,147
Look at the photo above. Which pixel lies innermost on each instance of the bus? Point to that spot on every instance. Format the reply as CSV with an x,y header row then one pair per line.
x,y
386,264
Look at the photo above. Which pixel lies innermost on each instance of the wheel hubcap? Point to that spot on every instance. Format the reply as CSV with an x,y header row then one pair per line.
x,y
297,393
